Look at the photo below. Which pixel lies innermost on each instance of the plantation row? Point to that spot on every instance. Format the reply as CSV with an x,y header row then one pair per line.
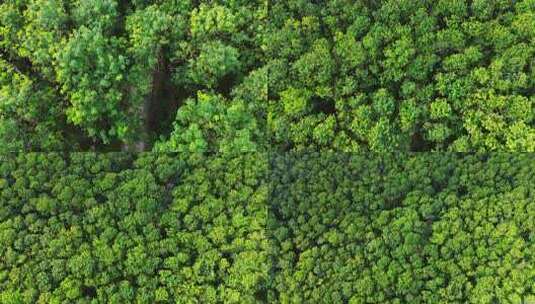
x,y
294,228
252,75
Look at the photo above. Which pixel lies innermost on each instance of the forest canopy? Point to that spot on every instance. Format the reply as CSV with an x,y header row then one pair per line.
x,y
253,151
110,75
132,228
254,228
402,228
344,75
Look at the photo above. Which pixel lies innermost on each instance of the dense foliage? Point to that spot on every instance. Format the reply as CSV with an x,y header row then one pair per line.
x,y
262,119
423,228
118,228
403,75
105,74
297,228
343,75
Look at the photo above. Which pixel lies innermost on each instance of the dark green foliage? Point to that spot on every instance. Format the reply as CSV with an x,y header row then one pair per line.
x,y
298,228
423,228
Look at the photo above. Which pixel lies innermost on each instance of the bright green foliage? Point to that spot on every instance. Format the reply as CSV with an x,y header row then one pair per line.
x,y
36,33
338,75
219,56
100,14
214,62
423,228
402,75
119,228
91,70
118,71
213,124
148,30
210,20
23,103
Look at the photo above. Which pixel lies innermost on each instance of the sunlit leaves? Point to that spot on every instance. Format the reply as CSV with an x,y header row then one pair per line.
x,y
29,113
212,123
215,61
210,20
91,70
430,59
